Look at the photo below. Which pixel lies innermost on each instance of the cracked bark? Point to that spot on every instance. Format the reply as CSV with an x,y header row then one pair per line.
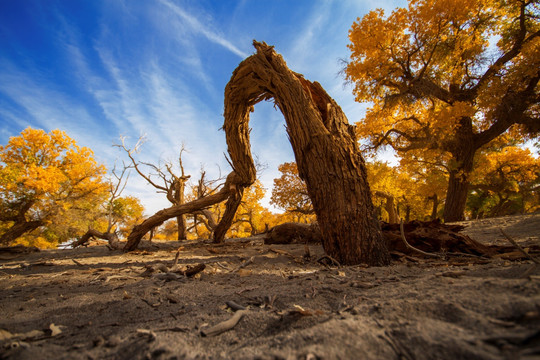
x,y
325,149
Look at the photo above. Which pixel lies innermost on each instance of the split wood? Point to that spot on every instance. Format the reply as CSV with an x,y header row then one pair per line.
x,y
225,325
410,247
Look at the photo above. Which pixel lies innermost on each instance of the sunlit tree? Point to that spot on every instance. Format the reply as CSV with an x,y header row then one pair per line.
x,y
127,211
290,194
448,76
504,182
46,180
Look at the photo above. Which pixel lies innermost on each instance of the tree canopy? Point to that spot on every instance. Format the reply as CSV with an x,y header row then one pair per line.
x,y
505,182
46,179
448,77
290,193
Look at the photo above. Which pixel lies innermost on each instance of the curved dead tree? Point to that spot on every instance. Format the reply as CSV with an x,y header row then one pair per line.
x,y
325,149
230,190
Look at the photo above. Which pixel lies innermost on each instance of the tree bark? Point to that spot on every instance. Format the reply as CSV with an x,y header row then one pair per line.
x,y
179,198
111,237
325,149
18,229
230,210
390,207
181,227
229,189
463,149
435,206
456,196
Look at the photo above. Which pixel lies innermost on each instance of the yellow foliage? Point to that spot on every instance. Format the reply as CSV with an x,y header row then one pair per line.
x,y
290,194
44,178
506,169
416,65
249,219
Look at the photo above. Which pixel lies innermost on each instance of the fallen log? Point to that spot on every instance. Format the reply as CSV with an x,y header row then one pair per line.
x,y
430,237
288,233
111,237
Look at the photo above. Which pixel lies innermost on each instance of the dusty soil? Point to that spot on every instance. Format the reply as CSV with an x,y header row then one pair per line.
x,y
93,303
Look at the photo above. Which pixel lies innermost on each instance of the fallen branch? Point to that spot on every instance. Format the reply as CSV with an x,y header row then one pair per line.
x,y
410,247
111,237
176,258
225,325
229,189
517,246
330,259
244,264
234,306
193,270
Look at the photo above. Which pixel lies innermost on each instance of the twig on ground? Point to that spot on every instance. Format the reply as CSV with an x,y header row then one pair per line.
x,y
244,264
286,253
225,325
234,306
529,271
329,258
176,258
517,246
223,266
410,247
152,335
76,262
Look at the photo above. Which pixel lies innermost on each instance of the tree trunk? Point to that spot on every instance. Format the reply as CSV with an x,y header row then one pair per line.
x,y
435,206
458,189
463,150
229,189
181,221
226,221
390,207
179,197
18,229
325,149
109,236
407,213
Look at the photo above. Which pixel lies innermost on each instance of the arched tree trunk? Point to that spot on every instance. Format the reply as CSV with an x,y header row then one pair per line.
x,y
325,149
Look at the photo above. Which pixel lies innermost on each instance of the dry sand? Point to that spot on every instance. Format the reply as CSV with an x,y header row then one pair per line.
x,y
93,303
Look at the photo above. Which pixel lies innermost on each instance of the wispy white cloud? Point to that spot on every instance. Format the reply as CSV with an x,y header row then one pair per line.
x,y
198,27
45,106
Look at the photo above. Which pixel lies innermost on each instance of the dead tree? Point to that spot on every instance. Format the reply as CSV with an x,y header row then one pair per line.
x,y
325,148
326,152
116,187
172,185
229,190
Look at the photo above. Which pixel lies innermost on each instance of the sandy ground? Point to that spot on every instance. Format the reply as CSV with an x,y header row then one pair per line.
x,y
93,303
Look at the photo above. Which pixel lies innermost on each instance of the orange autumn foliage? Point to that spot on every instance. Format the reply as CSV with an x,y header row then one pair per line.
x,y
447,77
45,178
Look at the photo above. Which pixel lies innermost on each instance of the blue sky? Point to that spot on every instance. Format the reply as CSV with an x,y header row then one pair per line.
x,y
101,69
